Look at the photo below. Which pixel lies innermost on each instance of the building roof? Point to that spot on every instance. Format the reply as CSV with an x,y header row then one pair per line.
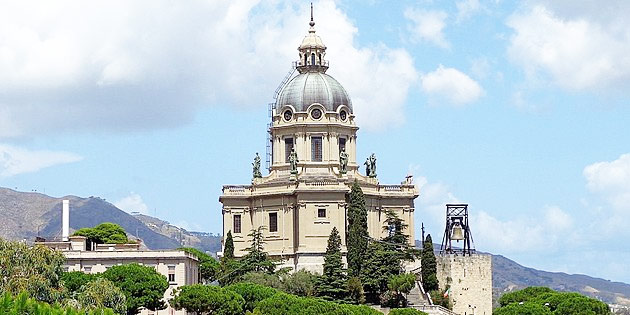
x,y
313,87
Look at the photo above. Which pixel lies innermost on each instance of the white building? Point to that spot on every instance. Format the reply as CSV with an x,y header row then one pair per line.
x,y
179,268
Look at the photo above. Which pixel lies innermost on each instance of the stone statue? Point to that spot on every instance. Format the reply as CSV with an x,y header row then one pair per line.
x,y
256,165
343,161
293,159
370,166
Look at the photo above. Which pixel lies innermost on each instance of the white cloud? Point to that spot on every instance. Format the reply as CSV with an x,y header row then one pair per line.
x,y
611,180
428,25
122,65
548,230
132,203
451,85
578,48
14,160
466,9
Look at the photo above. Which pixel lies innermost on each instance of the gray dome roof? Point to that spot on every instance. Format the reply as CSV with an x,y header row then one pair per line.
x,y
313,87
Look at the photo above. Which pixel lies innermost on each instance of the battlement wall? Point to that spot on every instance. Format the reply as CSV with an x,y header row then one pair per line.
x,y
470,282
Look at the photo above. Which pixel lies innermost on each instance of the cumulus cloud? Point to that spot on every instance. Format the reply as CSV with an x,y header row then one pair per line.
x,y
121,65
132,203
547,230
578,46
611,180
14,160
428,25
451,85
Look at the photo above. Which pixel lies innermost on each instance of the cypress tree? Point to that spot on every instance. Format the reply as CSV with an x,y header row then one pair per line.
x,y
332,283
429,266
228,251
357,231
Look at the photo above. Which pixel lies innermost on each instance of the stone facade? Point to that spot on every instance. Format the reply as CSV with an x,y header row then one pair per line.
x,y
470,282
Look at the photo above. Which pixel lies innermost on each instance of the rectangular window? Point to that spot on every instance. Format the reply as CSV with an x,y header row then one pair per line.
x,y
342,144
273,222
316,149
171,274
321,213
288,146
87,269
237,223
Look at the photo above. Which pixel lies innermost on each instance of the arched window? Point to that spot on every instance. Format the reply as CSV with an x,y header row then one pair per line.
x,y
313,59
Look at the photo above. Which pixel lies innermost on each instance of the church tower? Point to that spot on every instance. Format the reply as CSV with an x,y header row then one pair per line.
x,y
313,164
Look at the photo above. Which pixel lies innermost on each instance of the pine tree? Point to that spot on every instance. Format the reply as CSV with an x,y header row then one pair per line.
x,y
228,251
332,283
357,231
257,259
429,266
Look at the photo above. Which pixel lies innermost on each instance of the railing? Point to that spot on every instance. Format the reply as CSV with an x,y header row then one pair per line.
x,y
322,183
438,308
237,189
392,187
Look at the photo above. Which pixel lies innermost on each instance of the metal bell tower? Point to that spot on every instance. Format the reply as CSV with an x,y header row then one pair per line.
x,y
457,229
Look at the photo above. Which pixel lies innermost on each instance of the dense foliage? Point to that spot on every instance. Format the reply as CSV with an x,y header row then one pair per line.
x,y
233,270
104,233
286,304
204,299
398,288
142,286
208,266
74,280
429,266
34,269
228,251
406,311
252,293
102,293
539,300
22,304
331,285
357,230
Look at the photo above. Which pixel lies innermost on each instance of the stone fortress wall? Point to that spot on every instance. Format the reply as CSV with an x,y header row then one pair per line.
x,y
470,280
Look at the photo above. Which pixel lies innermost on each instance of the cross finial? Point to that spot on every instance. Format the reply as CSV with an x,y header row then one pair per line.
x,y
312,23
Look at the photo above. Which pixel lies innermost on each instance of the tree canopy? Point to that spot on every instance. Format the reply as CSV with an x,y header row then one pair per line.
x,y
74,280
142,286
332,283
34,269
102,293
207,299
429,266
357,230
23,304
540,301
104,233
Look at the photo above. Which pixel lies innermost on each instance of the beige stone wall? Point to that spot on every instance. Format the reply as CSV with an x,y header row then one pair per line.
x,y
470,280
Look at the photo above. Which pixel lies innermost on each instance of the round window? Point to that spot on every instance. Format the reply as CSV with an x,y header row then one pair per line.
x,y
316,113
343,115
288,115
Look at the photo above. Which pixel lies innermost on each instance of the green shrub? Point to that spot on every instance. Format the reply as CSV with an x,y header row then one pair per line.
x,y
286,304
541,300
74,280
203,299
252,293
523,295
522,309
406,311
22,304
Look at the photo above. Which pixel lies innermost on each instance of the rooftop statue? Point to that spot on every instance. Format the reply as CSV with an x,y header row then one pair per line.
x,y
293,159
370,166
343,161
256,166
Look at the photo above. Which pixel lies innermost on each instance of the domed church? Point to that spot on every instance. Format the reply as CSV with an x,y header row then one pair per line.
x,y
312,165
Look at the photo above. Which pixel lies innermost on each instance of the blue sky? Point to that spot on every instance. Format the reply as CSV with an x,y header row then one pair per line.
x,y
520,110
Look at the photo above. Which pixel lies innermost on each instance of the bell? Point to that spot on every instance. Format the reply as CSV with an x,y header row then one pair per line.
x,y
458,232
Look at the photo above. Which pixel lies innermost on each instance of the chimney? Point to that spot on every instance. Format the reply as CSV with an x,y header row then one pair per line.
x,y
65,220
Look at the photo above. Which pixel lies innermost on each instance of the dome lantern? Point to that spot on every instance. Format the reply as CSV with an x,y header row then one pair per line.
x,y
312,51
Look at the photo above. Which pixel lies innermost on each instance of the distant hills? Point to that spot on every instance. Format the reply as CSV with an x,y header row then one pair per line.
x,y
25,215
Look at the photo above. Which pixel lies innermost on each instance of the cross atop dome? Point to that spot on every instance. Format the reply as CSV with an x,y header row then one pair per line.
x,y
312,51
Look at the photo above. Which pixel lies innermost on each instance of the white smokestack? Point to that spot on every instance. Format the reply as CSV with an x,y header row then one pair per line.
x,y
65,220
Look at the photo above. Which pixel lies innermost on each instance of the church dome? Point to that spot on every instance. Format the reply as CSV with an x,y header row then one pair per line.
x,y
313,87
